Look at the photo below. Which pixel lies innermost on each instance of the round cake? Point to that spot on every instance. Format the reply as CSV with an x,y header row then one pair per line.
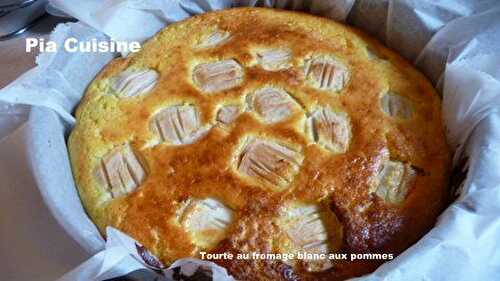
x,y
259,131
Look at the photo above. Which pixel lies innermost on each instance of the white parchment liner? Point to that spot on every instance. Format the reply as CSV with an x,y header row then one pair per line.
x,y
455,43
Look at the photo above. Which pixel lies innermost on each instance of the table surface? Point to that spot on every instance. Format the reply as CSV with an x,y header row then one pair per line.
x,y
32,244
14,60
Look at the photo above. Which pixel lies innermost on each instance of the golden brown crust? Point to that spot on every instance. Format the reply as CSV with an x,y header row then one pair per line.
x,y
344,182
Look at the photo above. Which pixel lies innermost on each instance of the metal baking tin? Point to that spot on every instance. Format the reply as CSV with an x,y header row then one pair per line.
x,y
17,16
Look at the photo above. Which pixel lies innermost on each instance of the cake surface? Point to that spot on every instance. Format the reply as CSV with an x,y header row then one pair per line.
x,y
257,130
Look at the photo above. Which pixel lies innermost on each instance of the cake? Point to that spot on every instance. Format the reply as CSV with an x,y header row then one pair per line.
x,y
262,131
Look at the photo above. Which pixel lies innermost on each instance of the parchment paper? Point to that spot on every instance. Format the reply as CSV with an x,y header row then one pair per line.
x,y
455,43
